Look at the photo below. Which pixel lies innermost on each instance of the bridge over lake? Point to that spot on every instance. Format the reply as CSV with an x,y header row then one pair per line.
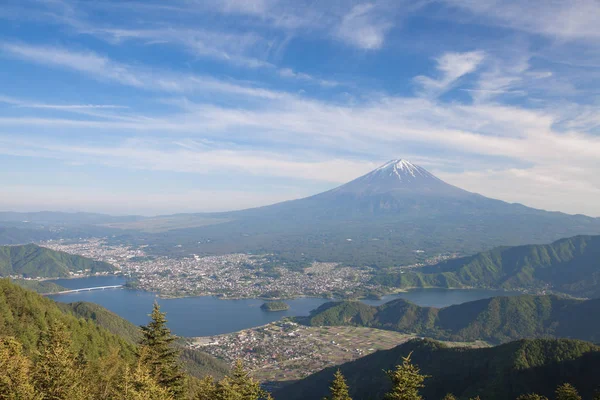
x,y
89,289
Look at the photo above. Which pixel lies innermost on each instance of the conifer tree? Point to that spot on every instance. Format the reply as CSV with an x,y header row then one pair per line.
x,y
206,389
406,381
449,396
159,356
140,385
596,395
108,374
239,384
56,374
339,389
567,392
531,396
15,381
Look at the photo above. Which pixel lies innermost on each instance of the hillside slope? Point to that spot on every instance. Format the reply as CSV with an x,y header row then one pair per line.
x,y
569,266
25,315
498,373
196,363
496,320
31,261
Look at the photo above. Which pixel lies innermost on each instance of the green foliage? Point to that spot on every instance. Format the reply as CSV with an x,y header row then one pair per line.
x,y
497,373
531,396
567,266
567,392
236,386
15,372
31,261
194,362
449,396
44,287
26,315
57,373
140,384
406,381
275,306
159,354
496,320
338,389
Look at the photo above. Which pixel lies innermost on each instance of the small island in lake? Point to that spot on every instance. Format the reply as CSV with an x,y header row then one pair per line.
x,y
275,306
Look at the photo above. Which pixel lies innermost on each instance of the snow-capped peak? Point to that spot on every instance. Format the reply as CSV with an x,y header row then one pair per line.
x,y
402,169
400,165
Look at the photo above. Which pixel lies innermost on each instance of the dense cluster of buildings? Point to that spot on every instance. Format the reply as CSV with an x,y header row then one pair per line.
x,y
230,276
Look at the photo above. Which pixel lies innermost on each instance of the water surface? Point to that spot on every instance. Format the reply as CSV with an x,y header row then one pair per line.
x,y
207,315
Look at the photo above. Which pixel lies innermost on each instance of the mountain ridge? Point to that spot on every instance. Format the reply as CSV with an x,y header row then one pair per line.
x,y
495,320
497,373
569,265
32,261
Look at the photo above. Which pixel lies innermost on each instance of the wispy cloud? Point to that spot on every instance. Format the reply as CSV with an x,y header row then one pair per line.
x,y
363,26
452,67
570,20
103,68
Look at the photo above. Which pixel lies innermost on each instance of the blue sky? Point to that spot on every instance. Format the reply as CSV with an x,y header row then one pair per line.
x,y
157,107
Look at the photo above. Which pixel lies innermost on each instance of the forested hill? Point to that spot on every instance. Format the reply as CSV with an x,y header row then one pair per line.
x,y
498,373
496,320
31,261
25,315
195,362
569,266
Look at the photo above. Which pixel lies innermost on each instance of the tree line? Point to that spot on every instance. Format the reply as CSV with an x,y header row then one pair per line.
x,y
407,380
56,372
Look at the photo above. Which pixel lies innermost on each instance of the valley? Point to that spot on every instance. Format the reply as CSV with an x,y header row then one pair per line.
x,y
380,239
284,351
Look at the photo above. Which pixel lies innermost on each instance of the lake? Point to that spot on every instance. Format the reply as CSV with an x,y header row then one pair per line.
x,y
207,315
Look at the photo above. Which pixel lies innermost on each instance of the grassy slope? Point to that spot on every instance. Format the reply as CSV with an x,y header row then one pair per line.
x,y
502,372
38,262
568,265
495,320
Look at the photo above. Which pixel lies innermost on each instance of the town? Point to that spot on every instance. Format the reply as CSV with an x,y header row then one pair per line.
x,y
284,351
227,276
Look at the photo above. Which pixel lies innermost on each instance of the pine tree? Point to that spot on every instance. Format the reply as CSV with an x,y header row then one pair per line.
x,y
531,396
406,381
140,385
206,389
15,382
56,374
339,388
449,396
239,386
160,357
107,376
567,392
596,395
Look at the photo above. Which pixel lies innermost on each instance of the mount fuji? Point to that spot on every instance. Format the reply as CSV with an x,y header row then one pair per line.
x,y
398,213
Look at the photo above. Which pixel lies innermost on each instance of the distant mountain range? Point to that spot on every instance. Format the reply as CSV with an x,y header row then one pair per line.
x,y
31,261
570,266
496,320
498,373
397,214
